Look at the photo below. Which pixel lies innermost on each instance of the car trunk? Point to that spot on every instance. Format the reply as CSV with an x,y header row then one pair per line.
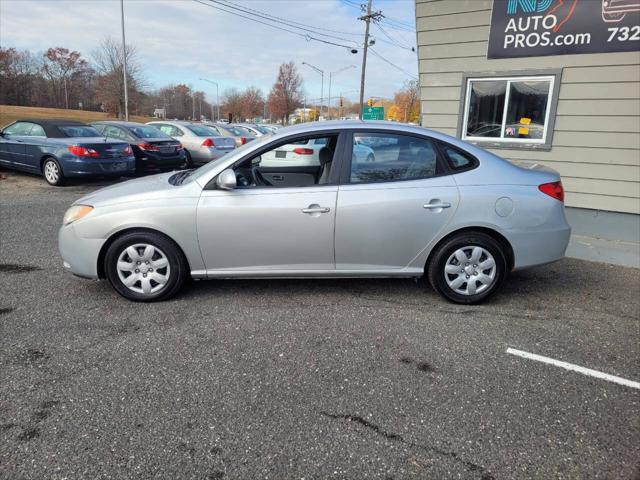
x,y
166,146
106,149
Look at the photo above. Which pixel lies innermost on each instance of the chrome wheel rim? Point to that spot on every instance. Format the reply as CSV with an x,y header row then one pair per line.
x,y
470,270
143,268
51,172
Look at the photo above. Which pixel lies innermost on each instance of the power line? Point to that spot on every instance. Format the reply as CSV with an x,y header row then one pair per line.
x,y
305,36
393,41
291,23
393,64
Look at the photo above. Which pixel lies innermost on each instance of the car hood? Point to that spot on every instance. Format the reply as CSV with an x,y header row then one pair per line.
x,y
153,187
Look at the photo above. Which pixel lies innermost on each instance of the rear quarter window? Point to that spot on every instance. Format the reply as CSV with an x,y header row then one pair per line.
x,y
456,159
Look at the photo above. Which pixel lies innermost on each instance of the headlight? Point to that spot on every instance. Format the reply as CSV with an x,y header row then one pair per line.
x,y
76,213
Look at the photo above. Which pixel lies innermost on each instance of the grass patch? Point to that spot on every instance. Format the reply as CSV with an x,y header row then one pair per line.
x,y
11,113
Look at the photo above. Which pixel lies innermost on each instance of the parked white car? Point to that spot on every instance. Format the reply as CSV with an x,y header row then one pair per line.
x,y
306,153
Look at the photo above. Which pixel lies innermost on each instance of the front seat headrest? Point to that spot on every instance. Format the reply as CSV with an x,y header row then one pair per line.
x,y
325,156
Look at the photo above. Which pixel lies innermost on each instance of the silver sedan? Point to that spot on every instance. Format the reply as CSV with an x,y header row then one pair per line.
x,y
429,205
201,144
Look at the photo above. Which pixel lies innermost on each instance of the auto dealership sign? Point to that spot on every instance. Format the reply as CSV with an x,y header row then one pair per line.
x,y
525,28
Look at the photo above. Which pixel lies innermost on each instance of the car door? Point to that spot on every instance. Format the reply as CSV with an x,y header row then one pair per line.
x,y
388,210
270,230
34,145
13,147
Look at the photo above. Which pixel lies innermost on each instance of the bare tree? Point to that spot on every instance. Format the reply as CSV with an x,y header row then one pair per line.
x,y
108,62
286,93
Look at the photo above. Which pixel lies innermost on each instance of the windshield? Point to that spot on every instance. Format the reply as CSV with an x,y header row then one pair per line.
x,y
148,132
79,131
201,130
237,153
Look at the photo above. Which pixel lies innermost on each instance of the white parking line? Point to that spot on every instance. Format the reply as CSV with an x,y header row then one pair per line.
x,y
575,368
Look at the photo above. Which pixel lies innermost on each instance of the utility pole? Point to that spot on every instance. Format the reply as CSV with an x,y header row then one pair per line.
x,y
367,19
124,64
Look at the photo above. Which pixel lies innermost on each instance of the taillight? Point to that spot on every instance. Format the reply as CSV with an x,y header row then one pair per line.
x,y
303,151
149,147
208,143
553,189
243,140
79,151
127,150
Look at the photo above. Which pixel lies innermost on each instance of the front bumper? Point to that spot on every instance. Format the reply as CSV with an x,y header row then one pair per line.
x,y
79,255
83,167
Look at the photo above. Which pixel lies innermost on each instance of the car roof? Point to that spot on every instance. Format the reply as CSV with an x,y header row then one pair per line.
x,y
51,125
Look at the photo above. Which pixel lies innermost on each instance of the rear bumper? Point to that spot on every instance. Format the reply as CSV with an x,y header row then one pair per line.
x,y
157,162
533,248
79,255
80,167
206,154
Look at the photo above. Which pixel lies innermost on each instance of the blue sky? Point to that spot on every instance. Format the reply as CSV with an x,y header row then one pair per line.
x,y
181,41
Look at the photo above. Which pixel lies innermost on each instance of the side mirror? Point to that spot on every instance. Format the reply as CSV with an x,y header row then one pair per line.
x,y
226,180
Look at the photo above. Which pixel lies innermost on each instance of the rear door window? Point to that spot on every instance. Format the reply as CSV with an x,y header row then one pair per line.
x,y
389,157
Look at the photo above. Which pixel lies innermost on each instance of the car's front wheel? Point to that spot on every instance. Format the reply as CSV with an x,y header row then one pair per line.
x,y
145,266
467,268
52,172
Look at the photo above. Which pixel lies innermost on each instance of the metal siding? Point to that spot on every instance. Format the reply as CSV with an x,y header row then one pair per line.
x,y
596,142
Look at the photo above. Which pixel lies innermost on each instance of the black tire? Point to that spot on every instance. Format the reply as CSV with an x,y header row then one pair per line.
x,y
177,272
52,172
444,252
188,162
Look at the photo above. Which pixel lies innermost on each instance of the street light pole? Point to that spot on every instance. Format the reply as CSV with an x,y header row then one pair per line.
x,y
321,72
331,75
124,64
217,97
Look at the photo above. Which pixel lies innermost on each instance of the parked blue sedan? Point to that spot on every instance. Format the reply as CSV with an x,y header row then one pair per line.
x,y
61,149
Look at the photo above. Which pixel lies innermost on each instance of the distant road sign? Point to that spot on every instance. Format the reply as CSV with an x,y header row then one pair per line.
x,y
373,113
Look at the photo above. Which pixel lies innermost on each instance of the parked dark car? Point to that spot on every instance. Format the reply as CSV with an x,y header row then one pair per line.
x,y
60,149
154,150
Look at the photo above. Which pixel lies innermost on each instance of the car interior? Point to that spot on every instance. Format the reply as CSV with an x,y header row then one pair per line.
x,y
250,174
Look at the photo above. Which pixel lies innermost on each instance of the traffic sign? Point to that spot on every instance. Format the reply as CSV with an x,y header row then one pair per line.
x,y
373,113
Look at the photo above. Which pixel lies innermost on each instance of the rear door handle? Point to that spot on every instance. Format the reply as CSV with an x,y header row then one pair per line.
x,y
432,206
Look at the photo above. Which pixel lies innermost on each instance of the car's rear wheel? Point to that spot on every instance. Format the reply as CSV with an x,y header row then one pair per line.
x,y
467,268
145,266
52,172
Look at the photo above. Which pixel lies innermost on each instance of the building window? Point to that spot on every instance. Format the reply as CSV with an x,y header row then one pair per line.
x,y
509,111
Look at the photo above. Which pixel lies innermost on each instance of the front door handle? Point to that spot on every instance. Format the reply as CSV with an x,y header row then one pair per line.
x,y
433,206
316,209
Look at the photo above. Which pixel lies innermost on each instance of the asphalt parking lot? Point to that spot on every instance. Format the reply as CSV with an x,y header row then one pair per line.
x,y
307,379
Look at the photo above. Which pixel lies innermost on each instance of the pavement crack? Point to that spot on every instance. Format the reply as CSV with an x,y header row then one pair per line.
x,y
470,466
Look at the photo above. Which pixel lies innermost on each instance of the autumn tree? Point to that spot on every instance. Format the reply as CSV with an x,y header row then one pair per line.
x,y
286,93
252,102
407,103
60,65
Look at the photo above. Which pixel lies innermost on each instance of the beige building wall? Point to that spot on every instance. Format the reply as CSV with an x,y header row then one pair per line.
x,y
596,140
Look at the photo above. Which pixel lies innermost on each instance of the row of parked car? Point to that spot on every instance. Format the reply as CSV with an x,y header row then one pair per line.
x,y
61,149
